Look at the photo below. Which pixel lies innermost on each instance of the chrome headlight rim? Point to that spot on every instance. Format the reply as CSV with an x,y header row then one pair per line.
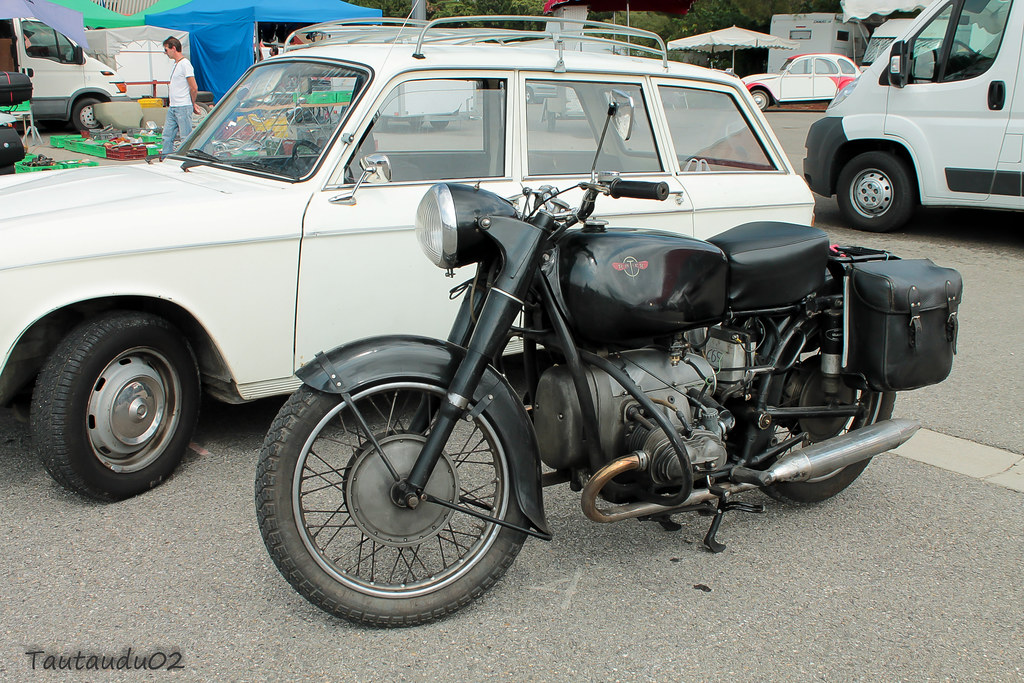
x,y
438,234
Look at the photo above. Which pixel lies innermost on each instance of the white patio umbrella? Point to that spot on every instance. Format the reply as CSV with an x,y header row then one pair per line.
x,y
732,38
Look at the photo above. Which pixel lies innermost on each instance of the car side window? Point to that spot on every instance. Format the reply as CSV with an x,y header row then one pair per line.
x,y
825,67
847,67
564,120
800,67
710,133
439,129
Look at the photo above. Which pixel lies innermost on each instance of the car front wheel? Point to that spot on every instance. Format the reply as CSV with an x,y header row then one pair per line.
x,y
761,98
115,405
875,192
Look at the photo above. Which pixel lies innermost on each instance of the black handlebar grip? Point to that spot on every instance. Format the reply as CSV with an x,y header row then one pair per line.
x,y
638,189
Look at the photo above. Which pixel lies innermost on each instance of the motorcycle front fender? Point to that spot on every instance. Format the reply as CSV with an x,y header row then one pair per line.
x,y
368,362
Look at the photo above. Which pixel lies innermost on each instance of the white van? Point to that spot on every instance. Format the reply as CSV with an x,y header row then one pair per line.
x,y
939,123
65,82
882,37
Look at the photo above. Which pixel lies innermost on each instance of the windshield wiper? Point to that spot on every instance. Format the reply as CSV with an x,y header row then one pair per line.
x,y
196,156
257,165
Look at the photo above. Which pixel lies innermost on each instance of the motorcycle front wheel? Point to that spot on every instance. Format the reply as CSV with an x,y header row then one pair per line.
x,y
324,504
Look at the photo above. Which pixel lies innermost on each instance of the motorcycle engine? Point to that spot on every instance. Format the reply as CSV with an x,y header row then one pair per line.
x,y
623,425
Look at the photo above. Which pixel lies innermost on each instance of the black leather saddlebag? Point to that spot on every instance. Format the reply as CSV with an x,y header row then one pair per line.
x,y
15,88
901,323
11,148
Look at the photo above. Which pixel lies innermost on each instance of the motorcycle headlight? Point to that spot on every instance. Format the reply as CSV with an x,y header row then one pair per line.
x,y
447,223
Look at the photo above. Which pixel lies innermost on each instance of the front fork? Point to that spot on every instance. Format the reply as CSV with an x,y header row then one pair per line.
x,y
521,244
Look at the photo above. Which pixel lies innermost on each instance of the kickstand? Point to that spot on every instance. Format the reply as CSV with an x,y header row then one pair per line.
x,y
724,505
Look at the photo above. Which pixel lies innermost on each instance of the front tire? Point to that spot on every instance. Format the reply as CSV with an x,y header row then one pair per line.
x,y
324,504
875,192
82,115
761,98
115,405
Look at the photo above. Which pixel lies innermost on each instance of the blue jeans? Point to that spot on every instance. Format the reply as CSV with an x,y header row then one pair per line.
x,y
179,122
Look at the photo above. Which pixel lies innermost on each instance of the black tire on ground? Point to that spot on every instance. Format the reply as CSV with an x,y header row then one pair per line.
x,y
348,548
807,390
82,116
761,98
115,405
875,192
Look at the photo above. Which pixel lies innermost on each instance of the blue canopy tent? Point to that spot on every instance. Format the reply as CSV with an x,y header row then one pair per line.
x,y
221,31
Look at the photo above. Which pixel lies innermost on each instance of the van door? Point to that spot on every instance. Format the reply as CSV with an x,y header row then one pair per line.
x,y
953,112
49,57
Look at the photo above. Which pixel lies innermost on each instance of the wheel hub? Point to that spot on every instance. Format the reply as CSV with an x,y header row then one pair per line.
x,y
368,493
126,408
872,193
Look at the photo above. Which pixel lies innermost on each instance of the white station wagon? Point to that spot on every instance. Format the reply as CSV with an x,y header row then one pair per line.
x,y
280,230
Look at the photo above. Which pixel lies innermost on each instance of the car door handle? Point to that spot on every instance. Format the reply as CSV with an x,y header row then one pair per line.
x,y
996,95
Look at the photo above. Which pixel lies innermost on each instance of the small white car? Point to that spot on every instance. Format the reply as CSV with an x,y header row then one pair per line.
x,y
803,78
276,232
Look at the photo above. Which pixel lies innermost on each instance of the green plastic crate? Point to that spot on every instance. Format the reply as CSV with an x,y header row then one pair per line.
x,y
59,141
86,147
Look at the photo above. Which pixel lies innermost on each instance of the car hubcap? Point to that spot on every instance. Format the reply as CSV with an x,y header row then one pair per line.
x,y
871,193
87,117
132,409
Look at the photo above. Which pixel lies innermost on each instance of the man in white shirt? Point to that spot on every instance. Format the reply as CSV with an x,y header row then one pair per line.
x,y
182,91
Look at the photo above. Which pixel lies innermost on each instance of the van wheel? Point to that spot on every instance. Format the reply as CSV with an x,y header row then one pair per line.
x,y
82,115
761,98
115,405
875,192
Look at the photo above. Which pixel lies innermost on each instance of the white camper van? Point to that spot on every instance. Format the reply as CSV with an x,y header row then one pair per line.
x,y
65,82
939,122
819,32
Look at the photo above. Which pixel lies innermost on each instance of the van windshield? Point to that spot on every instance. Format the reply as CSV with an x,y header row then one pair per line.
x,y
279,119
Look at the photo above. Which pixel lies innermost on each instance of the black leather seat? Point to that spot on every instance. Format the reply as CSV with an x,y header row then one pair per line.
x,y
772,264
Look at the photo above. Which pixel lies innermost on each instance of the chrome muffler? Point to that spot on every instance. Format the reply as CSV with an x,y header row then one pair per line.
x,y
836,453
811,462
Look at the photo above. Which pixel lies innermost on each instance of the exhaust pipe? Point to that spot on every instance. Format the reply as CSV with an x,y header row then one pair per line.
x,y
833,454
808,463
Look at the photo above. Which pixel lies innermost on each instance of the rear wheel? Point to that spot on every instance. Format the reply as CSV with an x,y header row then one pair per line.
x,y
326,512
804,388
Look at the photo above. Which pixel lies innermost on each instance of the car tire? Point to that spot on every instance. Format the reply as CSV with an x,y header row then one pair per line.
x,y
82,116
875,192
761,98
115,405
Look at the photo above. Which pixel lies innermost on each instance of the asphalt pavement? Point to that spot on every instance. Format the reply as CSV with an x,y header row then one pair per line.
x,y
912,574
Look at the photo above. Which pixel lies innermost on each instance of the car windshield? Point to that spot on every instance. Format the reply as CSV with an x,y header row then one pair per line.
x,y
279,118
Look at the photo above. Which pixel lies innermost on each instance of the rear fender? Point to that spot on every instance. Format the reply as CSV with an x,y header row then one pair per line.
x,y
367,362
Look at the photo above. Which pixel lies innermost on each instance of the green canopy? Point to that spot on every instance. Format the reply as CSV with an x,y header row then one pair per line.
x,y
95,16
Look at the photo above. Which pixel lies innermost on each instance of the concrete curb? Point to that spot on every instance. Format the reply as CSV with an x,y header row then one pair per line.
x,y
966,457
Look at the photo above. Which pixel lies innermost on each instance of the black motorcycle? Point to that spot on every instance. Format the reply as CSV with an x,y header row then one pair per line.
x,y
658,374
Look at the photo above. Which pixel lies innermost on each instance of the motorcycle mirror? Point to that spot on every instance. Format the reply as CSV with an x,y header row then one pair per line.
x,y
622,117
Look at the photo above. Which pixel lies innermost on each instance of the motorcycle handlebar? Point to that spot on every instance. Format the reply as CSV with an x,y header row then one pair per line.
x,y
638,189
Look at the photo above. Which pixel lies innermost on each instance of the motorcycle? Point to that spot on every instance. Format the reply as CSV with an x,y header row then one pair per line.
x,y
658,374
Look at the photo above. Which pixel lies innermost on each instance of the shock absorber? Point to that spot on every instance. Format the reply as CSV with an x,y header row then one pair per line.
x,y
832,348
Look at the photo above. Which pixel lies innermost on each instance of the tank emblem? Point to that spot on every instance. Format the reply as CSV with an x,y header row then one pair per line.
x,y
630,266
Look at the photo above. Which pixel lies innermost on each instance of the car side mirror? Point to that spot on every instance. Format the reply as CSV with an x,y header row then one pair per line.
x,y
899,64
79,55
376,171
622,119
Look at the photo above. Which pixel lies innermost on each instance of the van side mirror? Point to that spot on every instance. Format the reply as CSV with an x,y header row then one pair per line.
x,y
899,64
79,55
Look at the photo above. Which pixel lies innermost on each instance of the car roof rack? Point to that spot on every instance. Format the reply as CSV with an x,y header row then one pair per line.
x,y
558,32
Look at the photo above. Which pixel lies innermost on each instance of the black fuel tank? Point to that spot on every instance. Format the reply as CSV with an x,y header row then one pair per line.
x,y
626,284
